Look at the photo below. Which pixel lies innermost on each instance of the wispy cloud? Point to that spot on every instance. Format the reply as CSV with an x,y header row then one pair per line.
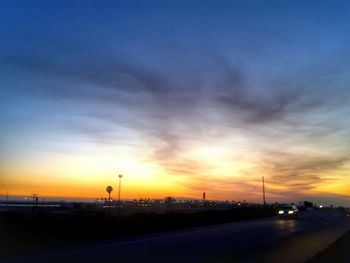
x,y
119,97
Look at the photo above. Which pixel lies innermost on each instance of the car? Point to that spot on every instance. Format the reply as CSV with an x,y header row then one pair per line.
x,y
288,211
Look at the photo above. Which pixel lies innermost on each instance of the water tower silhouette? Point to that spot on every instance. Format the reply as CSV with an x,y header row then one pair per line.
x,y
109,189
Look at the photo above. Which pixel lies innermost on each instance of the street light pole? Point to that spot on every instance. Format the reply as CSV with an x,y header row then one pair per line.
x,y
263,186
120,184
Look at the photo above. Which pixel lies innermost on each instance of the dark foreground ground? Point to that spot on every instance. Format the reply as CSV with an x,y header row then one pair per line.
x,y
258,240
314,232
338,252
28,231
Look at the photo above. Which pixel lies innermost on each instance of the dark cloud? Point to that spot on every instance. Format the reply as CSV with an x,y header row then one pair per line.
x,y
301,171
104,71
172,113
101,77
275,101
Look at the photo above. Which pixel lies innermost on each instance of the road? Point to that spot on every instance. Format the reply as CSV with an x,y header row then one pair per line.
x,y
265,240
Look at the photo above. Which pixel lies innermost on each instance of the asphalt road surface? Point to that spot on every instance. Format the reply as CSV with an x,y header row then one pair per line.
x,y
265,240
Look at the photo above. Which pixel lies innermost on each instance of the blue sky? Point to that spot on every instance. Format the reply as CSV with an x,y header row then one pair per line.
x,y
260,85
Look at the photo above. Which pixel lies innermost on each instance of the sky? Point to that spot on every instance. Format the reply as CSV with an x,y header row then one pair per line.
x,y
181,97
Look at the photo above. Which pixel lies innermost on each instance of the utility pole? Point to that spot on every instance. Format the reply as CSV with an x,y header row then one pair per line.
x,y
120,183
263,188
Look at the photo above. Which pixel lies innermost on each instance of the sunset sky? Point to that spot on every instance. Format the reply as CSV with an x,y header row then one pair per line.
x,y
180,97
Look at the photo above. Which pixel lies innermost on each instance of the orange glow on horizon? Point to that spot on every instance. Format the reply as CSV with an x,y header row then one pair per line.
x,y
208,169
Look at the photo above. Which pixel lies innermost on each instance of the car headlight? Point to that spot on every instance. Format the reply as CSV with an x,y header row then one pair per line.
x,y
280,212
290,212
